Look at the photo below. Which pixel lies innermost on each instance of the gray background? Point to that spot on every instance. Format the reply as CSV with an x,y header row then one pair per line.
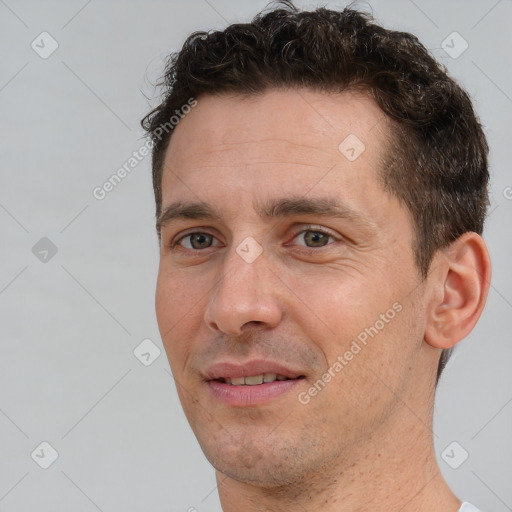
x,y
71,321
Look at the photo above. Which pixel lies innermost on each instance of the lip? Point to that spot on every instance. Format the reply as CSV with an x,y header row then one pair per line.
x,y
228,369
246,396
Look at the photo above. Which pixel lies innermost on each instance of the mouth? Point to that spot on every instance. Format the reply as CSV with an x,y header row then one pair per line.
x,y
252,383
255,380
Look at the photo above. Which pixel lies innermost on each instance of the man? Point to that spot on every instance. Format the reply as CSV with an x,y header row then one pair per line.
x,y
320,199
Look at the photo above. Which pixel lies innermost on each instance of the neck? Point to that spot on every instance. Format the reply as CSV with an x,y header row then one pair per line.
x,y
395,470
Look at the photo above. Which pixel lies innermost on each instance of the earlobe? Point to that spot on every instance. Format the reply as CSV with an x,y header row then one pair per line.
x,y
461,282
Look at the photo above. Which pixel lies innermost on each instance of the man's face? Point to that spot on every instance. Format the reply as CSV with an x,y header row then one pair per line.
x,y
265,280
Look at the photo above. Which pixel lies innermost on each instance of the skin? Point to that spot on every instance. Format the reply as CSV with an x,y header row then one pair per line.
x,y
364,441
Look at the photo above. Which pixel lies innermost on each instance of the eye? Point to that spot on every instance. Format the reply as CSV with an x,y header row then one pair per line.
x,y
314,238
196,241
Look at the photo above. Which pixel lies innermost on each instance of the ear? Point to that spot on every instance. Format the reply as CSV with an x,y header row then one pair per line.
x,y
460,282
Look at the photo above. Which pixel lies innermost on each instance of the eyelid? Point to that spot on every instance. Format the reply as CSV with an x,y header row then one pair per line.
x,y
302,229
176,240
317,229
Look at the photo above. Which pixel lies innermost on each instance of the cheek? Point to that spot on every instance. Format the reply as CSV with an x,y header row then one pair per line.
x,y
165,306
365,320
334,306
176,294
176,310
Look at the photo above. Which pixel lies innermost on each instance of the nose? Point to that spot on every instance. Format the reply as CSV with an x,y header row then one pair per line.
x,y
246,293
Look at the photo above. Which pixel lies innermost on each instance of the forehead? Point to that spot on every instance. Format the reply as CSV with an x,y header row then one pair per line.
x,y
286,115
293,140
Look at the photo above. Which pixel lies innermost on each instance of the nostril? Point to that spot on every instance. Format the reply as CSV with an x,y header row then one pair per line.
x,y
254,322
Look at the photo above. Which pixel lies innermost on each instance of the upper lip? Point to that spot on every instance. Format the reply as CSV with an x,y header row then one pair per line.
x,y
228,369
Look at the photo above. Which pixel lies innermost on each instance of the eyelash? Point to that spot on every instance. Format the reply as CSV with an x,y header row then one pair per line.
x,y
314,229
176,243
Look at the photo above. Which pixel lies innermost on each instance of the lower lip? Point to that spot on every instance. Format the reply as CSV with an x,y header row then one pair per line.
x,y
245,396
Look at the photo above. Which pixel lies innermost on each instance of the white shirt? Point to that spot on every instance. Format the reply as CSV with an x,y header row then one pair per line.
x,y
467,507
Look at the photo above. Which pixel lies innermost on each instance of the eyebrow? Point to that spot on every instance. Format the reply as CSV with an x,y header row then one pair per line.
x,y
272,209
186,210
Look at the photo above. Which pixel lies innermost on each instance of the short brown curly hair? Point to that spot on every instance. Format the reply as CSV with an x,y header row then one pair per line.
x,y
436,163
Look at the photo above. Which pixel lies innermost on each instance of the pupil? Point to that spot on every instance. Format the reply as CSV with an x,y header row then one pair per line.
x,y
316,239
200,240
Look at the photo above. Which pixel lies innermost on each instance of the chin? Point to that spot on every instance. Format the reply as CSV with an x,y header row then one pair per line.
x,y
256,473
264,465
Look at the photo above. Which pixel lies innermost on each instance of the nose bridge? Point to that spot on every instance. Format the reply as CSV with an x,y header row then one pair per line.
x,y
245,292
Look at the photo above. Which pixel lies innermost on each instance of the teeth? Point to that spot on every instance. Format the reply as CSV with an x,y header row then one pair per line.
x,y
254,380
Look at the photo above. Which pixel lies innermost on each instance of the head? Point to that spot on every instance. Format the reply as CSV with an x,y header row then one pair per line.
x,y
292,117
